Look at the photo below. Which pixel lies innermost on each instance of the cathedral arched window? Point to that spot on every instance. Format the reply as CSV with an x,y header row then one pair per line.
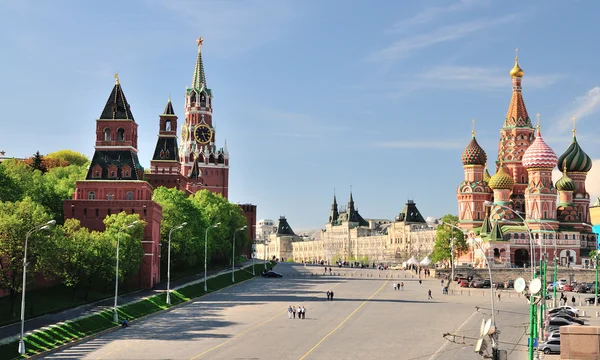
x,y
129,195
91,195
211,159
120,134
168,125
222,160
107,136
193,98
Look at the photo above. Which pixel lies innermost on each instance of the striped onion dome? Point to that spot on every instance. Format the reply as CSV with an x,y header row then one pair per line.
x,y
474,154
501,180
565,183
539,154
575,158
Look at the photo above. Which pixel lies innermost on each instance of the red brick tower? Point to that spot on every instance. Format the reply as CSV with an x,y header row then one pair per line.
x,y
114,183
164,166
205,166
515,137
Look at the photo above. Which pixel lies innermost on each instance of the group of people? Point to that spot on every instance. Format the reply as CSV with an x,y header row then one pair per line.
x,y
329,295
564,299
399,286
326,269
292,311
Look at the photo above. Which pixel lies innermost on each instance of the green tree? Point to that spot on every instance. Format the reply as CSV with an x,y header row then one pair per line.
x,y
131,251
216,209
81,258
9,189
187,244
69,157
37,162
16,220
443,240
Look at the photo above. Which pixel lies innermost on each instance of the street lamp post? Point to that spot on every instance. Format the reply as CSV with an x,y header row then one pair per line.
x,y
206,252
115,314
233,254
45,226
169,262
492,298
532,306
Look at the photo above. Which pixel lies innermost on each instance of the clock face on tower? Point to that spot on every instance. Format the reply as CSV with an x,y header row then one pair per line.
x,y
202,134
184,133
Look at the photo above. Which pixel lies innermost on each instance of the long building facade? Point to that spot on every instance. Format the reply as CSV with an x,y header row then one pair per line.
x,y
521,201
350,237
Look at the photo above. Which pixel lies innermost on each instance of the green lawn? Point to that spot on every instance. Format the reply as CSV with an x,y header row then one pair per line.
x,y
72,330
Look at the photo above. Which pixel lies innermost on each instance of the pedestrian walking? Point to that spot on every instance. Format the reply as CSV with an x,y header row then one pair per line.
x,y
499,296
402,286
573,300
303,312
442,284
420,283
395,286
429,293
290,312
331,296
294,312
299,312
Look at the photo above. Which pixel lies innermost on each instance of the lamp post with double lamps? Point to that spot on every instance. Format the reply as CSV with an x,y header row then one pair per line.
x,y
206,252
532,303
45,226
494,337
169,262
115,314
233,253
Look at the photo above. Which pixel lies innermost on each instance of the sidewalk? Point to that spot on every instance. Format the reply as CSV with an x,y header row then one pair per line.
x,y
12,330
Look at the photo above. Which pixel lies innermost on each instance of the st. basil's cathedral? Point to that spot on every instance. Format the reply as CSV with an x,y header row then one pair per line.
x,y
117,182
502,211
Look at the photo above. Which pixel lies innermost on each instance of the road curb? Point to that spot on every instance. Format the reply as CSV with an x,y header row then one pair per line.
x,y
133,321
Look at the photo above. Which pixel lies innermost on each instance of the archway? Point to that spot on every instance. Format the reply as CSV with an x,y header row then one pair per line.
x,y
497,259
522,258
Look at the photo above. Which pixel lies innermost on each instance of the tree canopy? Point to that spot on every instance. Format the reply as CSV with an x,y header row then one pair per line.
x,y
443,239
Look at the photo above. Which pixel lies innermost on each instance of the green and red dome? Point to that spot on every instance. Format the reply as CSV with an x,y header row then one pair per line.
x,y
474,154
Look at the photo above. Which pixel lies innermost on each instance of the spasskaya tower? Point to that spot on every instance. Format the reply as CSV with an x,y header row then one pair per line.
x,y
203,164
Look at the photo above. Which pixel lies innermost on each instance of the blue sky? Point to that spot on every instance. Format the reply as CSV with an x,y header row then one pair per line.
x,y
311,96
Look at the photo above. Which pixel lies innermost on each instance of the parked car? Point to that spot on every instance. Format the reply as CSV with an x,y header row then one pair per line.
x,y
464,283
499,285
557,321
550,346
568,318
458,276
555,335
591,300
487,283
567,307
271,274
509,284
562,282
567,287
562,313
582,288
477,283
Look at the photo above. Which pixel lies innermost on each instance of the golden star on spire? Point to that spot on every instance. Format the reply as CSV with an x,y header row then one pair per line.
x,y
199,41
538,121
116,78
473,127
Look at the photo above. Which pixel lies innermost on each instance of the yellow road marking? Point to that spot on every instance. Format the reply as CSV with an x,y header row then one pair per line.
x,y
251,328
346,319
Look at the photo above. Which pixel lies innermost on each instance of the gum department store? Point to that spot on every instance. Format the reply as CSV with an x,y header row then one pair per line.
x,y
498,212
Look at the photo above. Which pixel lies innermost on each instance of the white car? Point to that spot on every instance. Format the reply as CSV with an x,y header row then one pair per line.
x,y
396,267
570,308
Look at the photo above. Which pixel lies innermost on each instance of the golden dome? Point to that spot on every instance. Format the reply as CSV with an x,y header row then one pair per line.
x,y
516,71
501,180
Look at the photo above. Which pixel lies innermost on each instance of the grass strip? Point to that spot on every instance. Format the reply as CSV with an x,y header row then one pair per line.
x,y
39,341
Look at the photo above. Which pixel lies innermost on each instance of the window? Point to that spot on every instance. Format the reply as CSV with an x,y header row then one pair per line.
x,y
84,213
129,195
112,174
97,213
97,174
91,195
126,173
120,134
168,125
133,211
202,100
193,97
108,212
107,136
110,196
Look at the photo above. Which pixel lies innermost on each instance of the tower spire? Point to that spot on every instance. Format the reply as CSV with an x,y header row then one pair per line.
x,y
199,78
574,125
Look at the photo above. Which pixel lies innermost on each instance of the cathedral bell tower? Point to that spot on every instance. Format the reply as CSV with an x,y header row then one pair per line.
x,y
516,135
205,165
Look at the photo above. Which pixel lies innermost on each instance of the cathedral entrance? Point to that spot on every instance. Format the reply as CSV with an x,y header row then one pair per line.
x,y
522,258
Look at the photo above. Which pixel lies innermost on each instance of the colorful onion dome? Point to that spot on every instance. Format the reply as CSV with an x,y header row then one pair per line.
x,y
539,154
501,180
474,154
575,158
516,71
565,183
486,175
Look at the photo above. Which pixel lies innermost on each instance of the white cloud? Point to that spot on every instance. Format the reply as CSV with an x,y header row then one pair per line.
x,y
432,13
478,78
420,144
406,45
582,107
235,26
